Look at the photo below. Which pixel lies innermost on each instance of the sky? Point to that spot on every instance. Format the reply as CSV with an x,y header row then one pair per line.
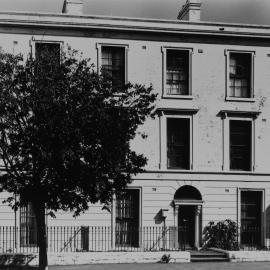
x,y
233,11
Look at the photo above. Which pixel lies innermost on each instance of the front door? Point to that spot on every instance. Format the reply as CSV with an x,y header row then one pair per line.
x,y
186,229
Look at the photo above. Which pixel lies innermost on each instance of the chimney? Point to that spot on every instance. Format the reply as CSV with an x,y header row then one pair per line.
x,y
191,11
73,7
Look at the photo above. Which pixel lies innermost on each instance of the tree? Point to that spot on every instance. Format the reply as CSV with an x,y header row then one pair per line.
x,y
65,134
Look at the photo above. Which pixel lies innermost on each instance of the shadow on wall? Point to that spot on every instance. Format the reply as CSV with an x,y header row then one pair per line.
x,y
12,261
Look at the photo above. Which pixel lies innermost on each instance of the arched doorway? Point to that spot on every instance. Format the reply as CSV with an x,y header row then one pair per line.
x,y
188,203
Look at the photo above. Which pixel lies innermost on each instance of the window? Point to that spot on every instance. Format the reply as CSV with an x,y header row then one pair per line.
x,y
251,217
240,76
48,55
178,143
28,226
113,64
176,138
127,218
239,142
176,74
240,145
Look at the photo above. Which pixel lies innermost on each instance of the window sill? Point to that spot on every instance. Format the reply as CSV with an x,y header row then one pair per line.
x,y
239,171
235,99
178,170
177,97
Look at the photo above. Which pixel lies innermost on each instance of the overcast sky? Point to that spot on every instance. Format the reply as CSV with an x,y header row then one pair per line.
x,y
243,11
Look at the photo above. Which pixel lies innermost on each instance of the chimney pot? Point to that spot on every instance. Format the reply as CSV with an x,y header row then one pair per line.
x,y
74,7
191,11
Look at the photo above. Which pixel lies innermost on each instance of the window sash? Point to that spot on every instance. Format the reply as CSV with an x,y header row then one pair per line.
x,y
240,75
113,64
177,72
240,145
178,143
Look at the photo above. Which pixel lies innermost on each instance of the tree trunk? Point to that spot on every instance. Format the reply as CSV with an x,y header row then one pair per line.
x,y
42,235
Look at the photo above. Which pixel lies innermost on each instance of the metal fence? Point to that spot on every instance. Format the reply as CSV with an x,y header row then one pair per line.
x,y
95,238
101,238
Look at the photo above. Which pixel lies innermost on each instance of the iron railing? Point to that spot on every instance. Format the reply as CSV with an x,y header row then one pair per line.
x,y
93,238
103,238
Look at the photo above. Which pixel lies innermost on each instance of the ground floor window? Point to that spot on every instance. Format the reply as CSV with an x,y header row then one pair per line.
x,y
28,226
251,217
127,218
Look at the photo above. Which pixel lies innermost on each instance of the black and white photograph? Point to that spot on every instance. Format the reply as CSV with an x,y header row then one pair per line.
x,y
134,134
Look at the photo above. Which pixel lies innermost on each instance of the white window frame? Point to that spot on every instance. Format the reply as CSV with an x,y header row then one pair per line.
x,y
226,117
33,42
163,116
263,215
99,56
164,69
227,56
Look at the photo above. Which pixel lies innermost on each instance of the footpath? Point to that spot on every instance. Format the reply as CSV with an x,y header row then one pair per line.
x,y
161,266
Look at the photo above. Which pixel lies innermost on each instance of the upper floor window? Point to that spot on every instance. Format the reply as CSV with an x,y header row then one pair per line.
x,y
239,140
240,75
240,145
176,138
113,62
178,143
177,79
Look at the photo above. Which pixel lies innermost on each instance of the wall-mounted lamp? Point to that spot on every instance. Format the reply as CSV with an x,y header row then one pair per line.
x,y
164,213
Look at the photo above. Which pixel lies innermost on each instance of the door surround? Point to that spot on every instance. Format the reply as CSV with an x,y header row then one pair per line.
x,y
189,196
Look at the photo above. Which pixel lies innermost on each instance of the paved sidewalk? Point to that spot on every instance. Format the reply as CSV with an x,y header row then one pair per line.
x,y
180,266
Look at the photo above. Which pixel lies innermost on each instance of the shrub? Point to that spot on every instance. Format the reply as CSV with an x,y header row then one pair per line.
x,y
223,234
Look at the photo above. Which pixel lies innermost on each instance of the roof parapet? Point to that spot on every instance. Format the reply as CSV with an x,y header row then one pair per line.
x,y
73,7
191,11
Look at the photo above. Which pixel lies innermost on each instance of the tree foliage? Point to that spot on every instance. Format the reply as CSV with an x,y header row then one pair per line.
x,y
65,132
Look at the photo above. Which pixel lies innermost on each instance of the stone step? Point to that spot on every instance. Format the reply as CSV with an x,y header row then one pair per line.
x,y
208,256
209,259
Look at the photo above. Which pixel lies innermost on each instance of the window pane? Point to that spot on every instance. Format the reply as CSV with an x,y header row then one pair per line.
x,y
251,207
178,145
240,145
240,75
177,72
113,64
127,218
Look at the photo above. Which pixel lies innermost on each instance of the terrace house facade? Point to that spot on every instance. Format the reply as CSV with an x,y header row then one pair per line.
x,y
208,148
